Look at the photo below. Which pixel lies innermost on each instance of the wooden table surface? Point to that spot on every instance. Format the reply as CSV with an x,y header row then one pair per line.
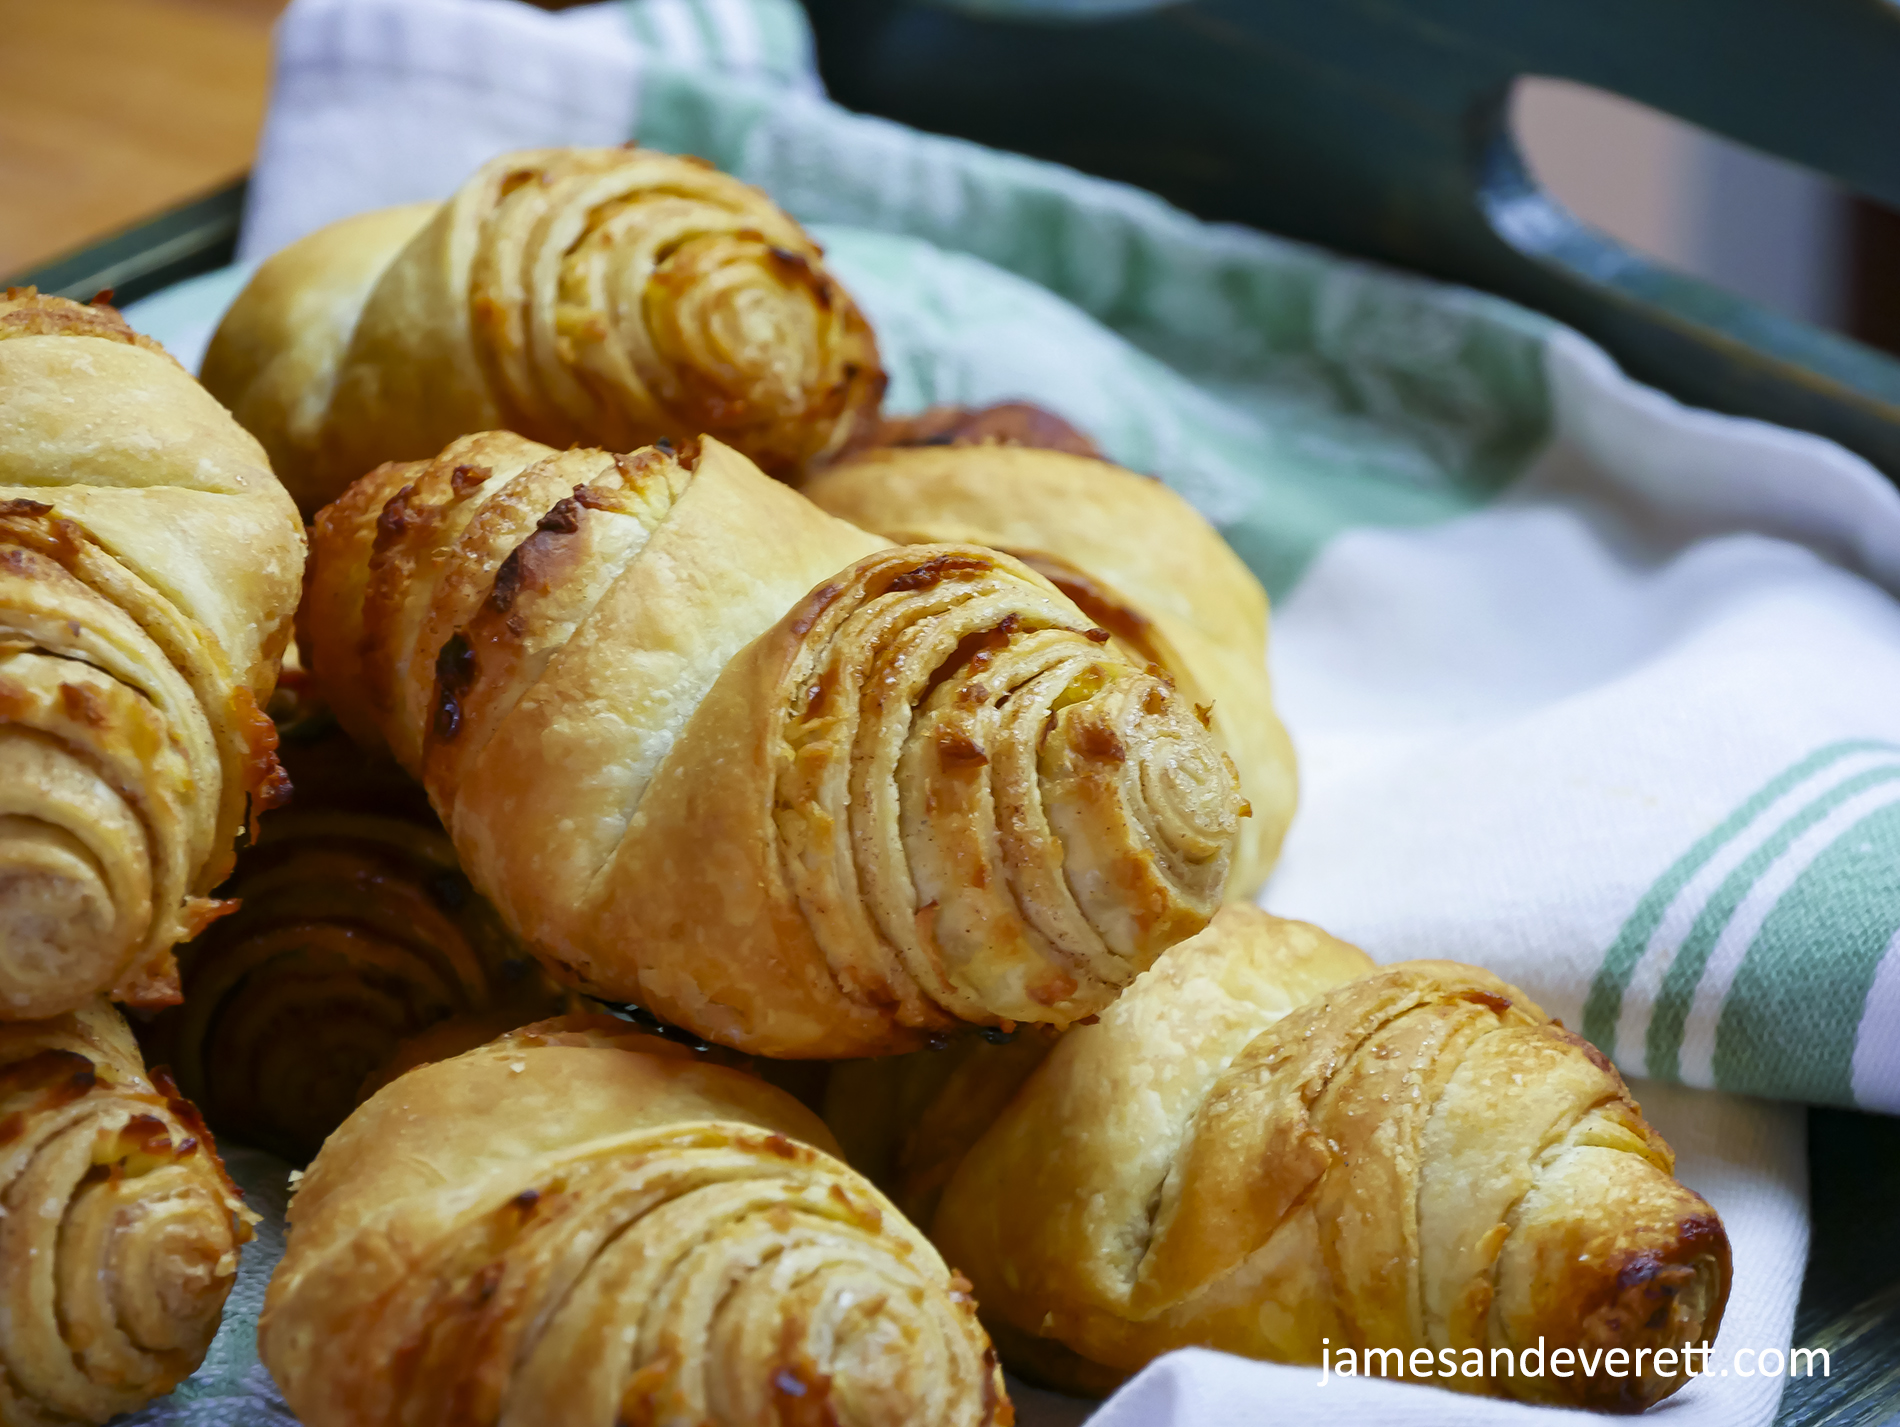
x,y
111,110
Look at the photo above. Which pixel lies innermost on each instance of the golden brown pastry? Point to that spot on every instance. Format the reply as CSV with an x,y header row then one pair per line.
x,y
356,932
1267,1148
149,566
120,1232
711,751
606,297
1008,423
1135,556
275,358
579,1226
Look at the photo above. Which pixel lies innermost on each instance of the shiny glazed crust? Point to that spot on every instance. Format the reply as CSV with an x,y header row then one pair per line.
x,y
1135,556
710,750
120,1236
579,1224
1412,1158
600,296
149,566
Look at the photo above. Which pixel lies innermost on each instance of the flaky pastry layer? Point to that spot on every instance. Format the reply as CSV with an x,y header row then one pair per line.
x,y
713,751
579,1225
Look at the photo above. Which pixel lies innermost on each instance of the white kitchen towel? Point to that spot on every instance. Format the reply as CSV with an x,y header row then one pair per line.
x,y
373,105
1589,688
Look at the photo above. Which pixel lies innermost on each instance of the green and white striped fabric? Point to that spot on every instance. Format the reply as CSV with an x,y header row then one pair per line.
x,y
1589,688
1746,960
760,40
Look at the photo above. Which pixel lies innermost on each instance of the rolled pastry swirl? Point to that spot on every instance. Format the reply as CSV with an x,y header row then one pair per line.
x,y
121,1230
711,751
356,931
149,565
1138,559
606,297
1415,1158
580,1225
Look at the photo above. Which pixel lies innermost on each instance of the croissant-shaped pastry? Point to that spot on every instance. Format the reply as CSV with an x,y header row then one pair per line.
x,y
355,933
120,1232
579,1226
608,297
1139,560
149,566
712,751
1414,1159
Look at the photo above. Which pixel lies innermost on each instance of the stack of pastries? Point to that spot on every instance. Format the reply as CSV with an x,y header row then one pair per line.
x,y
149,568
765,930
357,947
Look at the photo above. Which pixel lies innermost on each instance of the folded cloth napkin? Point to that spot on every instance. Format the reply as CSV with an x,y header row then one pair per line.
x,y
1597,691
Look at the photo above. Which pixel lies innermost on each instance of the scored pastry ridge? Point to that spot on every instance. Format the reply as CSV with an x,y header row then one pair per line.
x,y
786,785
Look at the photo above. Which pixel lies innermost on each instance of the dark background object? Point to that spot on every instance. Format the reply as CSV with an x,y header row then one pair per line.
x,y
1378,127
196,237
1850,1299
1874,273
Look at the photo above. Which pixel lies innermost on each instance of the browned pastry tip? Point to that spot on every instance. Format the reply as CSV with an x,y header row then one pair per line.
x,y
25,312
1007,423
1134,556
